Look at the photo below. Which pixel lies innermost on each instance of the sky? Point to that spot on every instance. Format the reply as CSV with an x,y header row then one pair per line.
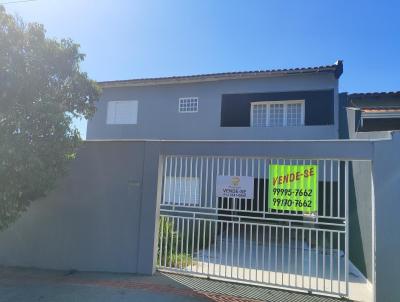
x,y
150,38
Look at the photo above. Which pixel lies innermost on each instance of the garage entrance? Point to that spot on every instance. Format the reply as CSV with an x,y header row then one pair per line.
x,y
245,238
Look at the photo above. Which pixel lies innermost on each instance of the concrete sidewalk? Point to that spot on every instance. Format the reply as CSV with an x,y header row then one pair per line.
x,y
17,284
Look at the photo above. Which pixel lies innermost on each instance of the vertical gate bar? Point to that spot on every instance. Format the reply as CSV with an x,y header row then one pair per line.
x,y
247,174
316,259
220,249
223,199
170,180
204,244
331,260
193,242
283,254
269,253
302,257
217,206
238,252
166,241
190,182
324,189
182,236
215,244
197,183
212,184
292,161
187,242
232,247
198,246
172,242
209,247
276,254
338,258
253,175
206,185
257,252
309,258
258,187
176,243
185,199
263,255
251,249
165,179
229,200
323,258
201,182
265,188
331,191
240,174
295,259
160,239
289,257
180,180
226,247
175,171
244,249
234,173
338,190
346,215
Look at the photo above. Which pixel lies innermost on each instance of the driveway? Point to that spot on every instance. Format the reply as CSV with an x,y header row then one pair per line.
x,y
17,284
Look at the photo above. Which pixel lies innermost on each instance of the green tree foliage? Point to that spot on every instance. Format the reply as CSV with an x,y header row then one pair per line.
x,y
41,90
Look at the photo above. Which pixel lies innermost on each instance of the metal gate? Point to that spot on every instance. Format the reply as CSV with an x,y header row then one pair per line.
x,y
245,240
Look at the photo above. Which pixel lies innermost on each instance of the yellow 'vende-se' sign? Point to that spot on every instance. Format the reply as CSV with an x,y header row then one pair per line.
x,y
293,187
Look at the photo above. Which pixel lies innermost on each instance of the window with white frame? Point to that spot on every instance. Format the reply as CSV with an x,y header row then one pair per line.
x,y
277,114
182,190
122,112
187,105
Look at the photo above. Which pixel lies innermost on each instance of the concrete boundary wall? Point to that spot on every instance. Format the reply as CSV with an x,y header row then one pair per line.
x,y
102,216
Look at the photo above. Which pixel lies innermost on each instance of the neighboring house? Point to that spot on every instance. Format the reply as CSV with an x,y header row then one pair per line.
x,y
376,111
369,115
285,104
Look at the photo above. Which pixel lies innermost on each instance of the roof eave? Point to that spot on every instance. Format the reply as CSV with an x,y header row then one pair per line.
x,y
336,70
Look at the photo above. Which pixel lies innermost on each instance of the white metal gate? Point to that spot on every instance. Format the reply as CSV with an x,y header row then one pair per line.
x,y
243,239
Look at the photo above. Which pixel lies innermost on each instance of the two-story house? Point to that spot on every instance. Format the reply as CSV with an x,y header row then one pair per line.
x,y
287,104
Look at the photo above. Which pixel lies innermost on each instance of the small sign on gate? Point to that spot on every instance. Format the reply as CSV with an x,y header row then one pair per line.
x,y
235,186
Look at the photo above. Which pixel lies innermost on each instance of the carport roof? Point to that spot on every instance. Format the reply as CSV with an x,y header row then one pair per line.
x,y
375,100
336,69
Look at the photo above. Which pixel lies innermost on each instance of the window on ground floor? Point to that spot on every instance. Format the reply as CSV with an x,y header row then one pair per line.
x,y
182,190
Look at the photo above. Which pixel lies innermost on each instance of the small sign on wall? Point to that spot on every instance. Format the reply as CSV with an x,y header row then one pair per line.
x,y
235,186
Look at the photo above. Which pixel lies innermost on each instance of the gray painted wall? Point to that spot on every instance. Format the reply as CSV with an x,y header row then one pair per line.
x,y
360,200
158,116
378,226
92,221
360,210
386,183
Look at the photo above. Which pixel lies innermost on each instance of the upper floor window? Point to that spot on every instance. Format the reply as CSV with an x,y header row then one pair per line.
x,y
187,105
277,114
122,112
